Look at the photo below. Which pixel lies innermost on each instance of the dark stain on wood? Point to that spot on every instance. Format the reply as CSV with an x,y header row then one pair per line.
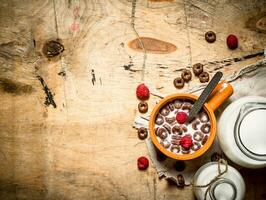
x,y
229,61
261,23
49,99
16,88
52,48
261,53
16,190
163,67
11,50
152,45
254,178
62,73
69,3
93,79
128,67
257,23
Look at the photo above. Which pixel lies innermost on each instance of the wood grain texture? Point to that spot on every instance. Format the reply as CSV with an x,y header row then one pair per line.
x,y
152,45
86,147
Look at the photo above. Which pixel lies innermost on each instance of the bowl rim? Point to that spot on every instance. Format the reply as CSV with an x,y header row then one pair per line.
x,y
153,136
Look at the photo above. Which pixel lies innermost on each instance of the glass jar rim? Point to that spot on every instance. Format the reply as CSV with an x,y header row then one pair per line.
x,y
219,182
244,110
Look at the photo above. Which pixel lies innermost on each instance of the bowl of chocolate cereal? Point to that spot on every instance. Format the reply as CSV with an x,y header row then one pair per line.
x,y
174,136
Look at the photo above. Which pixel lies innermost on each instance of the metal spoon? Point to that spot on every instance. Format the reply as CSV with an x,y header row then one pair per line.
x,y
204,96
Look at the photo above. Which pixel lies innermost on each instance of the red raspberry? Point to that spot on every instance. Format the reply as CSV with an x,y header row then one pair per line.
x,y
186,142
181,117
143,163
143,92
232,41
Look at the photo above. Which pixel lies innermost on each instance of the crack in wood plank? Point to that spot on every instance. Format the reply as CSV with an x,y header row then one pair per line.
x,y
134,2
188,34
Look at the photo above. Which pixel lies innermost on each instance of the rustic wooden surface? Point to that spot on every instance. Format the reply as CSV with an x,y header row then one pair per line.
x,y
85,148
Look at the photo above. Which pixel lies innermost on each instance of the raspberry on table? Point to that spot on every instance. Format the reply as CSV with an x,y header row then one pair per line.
x,y
143,163
142,92
232,41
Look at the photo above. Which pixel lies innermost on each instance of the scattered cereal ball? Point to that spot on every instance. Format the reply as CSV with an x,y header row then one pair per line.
x,y
180,165
142,133
210,36
143,107
186,75
197,69
179,82
204,77
160,156
215,157
180,180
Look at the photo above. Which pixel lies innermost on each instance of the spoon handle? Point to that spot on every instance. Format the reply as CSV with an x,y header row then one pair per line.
x,y
204,96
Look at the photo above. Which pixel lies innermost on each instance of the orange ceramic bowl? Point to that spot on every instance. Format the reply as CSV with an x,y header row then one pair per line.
x,y
222,91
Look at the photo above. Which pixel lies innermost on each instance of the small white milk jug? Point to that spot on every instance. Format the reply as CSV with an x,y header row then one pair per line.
x,y
229,185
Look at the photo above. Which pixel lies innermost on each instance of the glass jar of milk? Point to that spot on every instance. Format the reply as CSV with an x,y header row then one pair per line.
x,y
242,131
229,186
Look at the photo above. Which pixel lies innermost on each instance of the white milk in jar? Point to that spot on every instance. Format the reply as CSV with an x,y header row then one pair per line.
x,y
242,131
229,186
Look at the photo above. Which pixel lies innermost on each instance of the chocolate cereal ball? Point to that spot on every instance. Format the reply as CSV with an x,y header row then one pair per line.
x,y
179,82
186,75
142,133
210,36
197,69
143,107
204,77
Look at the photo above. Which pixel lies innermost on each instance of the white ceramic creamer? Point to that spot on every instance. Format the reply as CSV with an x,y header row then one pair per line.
x,y
242,131
229,186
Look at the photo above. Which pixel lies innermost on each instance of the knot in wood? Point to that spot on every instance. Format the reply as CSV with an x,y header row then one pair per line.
x,y
52,48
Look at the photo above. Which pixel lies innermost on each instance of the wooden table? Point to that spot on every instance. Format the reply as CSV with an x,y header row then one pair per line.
x,y
81,144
